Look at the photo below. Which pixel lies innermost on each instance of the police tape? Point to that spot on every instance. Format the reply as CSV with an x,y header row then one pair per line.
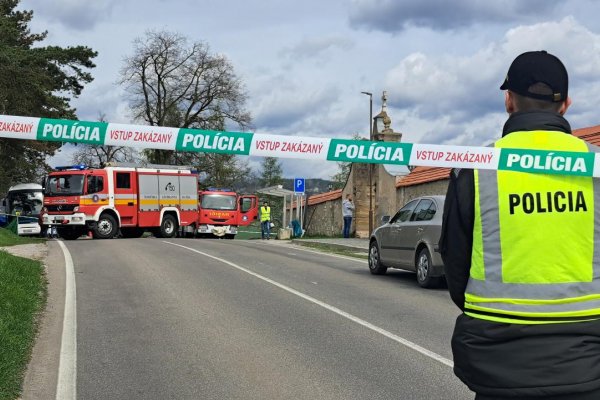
x,y
310,148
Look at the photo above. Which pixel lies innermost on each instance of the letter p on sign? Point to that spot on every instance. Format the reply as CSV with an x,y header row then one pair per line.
x,y
299,185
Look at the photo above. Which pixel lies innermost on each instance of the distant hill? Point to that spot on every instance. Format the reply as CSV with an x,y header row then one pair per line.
x,y
312,186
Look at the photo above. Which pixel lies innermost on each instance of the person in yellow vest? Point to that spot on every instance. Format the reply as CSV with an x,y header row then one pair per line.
x,y
265,221
522,255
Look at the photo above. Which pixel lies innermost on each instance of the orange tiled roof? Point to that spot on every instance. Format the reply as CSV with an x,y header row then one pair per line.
x,y
321,198
421,175
590,135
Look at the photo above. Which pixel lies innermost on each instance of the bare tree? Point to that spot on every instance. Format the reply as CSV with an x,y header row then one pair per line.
x,y
224,170
98,155
173,83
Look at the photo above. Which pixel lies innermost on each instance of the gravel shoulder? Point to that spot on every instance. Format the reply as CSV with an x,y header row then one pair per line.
x,y
35,251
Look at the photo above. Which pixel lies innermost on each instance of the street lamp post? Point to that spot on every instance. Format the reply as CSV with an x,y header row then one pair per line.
x,y
370,165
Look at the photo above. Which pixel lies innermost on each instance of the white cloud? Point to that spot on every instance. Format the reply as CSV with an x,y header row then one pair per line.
x,y
463,91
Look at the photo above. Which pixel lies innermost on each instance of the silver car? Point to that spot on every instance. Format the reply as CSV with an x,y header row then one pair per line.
x,y
409,241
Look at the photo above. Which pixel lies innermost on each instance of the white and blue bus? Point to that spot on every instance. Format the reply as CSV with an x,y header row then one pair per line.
x,y
24,202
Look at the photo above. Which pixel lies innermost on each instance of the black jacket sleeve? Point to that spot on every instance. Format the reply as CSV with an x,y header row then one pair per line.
x,y
456,241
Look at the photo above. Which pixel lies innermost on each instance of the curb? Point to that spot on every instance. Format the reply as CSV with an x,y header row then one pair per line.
x,y
340,246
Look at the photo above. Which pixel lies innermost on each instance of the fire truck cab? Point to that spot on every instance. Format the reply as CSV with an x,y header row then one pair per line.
x,y
129,200
222,211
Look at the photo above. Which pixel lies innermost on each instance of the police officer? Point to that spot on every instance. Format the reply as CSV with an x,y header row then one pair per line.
x,y
522,255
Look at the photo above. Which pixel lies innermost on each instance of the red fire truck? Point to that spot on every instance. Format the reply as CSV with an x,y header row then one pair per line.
x,y
222,211
130,199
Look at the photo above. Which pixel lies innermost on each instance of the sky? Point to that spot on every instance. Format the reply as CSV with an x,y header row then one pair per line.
x,y
305,63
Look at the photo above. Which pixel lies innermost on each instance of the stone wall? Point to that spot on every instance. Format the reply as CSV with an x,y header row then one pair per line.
x,y
324,219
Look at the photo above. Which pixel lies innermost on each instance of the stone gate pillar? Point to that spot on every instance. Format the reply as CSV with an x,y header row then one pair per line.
x,y
372,187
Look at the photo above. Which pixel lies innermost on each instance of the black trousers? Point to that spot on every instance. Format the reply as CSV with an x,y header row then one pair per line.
x,y
594,395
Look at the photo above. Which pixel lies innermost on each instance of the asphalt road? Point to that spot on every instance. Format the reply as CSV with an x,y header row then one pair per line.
x,y
231,319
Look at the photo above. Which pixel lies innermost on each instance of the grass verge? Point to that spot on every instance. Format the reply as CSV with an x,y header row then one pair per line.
x,y
7,238
22,298
336,250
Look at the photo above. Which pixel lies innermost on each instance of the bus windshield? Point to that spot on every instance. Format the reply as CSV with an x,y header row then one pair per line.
x,y
218,202
61,185
25,202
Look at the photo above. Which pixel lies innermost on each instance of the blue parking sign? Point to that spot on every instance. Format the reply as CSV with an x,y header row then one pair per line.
x,y
299,185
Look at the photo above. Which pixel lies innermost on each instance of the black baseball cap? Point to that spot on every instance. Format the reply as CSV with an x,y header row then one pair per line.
x,y
537,67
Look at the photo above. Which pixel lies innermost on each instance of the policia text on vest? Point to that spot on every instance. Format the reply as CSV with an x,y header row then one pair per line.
x,y
547,202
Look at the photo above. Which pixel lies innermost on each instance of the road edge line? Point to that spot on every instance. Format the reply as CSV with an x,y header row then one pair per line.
x,y
66,385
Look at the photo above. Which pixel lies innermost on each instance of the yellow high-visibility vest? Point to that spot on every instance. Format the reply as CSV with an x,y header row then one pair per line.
x,y
534,257
265,214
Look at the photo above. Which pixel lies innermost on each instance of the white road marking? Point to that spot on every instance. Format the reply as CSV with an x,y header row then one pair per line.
x,y
66,386
331,308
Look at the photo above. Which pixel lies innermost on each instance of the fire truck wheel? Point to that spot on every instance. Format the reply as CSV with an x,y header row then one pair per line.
x,y
106,227
229,236
168,226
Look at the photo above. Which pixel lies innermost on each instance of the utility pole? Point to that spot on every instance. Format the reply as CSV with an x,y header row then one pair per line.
x,y
370,164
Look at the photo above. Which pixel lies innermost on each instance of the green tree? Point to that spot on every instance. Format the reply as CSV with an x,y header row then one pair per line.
x,y
174,83
35,81
271,173
341,177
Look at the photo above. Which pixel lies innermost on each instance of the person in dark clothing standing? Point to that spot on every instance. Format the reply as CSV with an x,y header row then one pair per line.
x,y
522,255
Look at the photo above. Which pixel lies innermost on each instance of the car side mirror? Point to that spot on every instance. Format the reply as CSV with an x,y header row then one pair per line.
x,y
385,219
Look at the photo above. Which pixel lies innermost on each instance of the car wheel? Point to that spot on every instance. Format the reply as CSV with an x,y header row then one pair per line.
x,y
168,226
375,265
424,270
106,227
